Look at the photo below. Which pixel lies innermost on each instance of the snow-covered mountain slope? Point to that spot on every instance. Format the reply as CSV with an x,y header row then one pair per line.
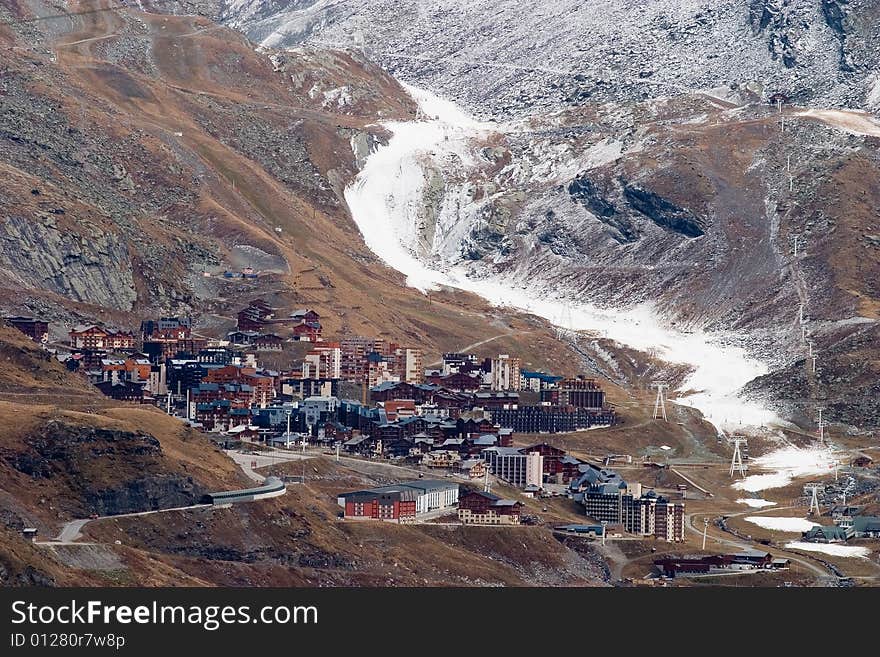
x,y
667,224
401,190
628,153
516,57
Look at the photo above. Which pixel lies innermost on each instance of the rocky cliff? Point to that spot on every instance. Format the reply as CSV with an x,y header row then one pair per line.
x,y
501,58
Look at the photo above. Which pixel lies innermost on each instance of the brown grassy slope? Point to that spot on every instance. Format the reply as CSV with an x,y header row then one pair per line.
x,y
56,465
222,150
296,540
24,564
28,370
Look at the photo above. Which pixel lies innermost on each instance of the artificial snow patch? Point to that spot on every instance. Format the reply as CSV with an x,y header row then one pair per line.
x,y
789,463
755,503
795,525
387,201
833,549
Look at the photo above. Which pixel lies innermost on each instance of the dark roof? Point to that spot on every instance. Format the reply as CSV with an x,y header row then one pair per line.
x,y
829,533
866,524
543,376
489,496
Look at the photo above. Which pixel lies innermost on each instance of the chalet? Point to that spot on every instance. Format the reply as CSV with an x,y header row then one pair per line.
x,y
399,409
362,445
36,329
843,515
387,432
88,337
422,443
568,469
123,391
213,415
441,458
268,342
255,316
831,534
476,507
336,431
420,393
412,425
480,443
307,332
305,316
451,402
262,387
471,468
95,337
475,427
396,448
457,381
244,432
240,337
457,445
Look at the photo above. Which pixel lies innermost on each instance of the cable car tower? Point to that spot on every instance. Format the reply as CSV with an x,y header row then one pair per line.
x,y
736,461
660,401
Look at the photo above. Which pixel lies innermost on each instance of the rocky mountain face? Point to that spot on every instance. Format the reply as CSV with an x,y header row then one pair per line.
x,y
145,153
505,58
138,152
71,453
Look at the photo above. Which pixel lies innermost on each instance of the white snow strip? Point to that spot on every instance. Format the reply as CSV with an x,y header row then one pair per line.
x,y
834,549
755,503
776,524
789,463
852,121
384,201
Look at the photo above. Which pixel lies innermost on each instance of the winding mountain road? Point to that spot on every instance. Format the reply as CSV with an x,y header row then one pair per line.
x,y
73,529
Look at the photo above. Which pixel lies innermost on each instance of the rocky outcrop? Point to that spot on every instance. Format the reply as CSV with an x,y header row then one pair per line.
x,y
104,471
29,576
762,12
837,18
835,15
91,266
147,493
663,212
584,191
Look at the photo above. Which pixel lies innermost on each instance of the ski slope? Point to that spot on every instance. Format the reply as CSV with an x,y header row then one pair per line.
x,y
384,199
